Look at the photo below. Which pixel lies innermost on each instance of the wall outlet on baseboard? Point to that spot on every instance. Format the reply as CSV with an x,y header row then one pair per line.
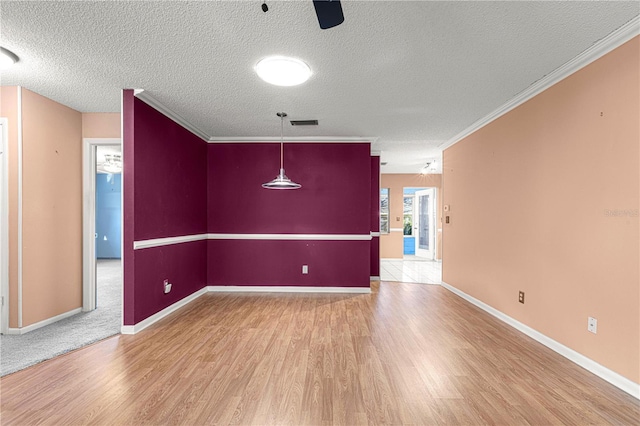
x,y
305,269
167,286
592,325
521,296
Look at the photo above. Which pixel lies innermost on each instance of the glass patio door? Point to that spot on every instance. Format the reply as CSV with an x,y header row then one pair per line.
x,y
425,222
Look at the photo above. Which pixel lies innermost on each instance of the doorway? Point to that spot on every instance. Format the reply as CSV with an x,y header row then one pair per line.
x,y
419,209
102,220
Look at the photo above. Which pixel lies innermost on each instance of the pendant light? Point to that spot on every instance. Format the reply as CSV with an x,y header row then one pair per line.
x,y
281,181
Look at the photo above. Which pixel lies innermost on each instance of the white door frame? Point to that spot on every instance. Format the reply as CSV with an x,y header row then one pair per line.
x,y
89,218
431,253
4,225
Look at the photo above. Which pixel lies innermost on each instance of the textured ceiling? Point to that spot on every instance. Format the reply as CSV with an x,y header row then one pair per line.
x,y
410,74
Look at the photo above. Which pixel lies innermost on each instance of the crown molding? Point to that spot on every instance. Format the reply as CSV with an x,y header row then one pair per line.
x,y
154,103
612,41
145,97
303,139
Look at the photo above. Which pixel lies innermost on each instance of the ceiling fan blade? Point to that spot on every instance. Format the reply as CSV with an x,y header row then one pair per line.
x,y
329,13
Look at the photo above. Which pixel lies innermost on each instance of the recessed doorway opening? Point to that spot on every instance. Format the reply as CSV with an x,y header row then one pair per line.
x,y
419,223
102,224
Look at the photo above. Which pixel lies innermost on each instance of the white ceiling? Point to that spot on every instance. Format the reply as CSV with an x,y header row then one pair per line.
x,y
410,75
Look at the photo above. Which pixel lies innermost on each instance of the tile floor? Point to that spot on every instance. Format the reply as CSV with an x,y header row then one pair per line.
x,y
411,269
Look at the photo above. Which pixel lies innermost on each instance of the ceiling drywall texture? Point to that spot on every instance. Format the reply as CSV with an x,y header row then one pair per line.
x,y
410,74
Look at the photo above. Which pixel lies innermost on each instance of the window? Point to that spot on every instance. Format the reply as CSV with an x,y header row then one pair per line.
x,y
407,209
384,210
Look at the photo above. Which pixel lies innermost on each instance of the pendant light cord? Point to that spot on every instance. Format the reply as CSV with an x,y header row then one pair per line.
x,y
282,142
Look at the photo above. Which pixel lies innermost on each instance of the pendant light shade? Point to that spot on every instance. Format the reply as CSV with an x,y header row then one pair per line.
x,y
281,181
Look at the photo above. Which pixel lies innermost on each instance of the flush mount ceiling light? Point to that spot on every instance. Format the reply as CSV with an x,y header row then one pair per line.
x,y
281,181
113,163
7,58
283,71
430,167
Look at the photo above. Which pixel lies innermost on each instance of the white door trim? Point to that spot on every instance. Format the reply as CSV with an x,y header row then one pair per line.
x,y
4,226
19,256
88,218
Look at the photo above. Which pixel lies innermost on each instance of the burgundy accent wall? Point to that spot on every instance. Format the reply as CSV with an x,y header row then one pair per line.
x,y
375,215
171,177
279,263
375,257
165,192
335,198
128,207
184,265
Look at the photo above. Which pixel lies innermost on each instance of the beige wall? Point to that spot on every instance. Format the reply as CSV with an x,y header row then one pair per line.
x,y
391,245
545,200
52,204
51,208
9,109
101,125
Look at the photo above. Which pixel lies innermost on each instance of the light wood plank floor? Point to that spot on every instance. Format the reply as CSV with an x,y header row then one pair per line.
x,y
405,354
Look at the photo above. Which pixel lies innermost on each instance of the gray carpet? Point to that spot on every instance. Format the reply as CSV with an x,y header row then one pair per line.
x,y
21,351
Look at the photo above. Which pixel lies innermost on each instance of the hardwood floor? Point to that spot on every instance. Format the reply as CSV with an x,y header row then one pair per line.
x,y
405,354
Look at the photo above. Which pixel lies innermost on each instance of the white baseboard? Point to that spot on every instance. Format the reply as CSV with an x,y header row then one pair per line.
x,y
599,370
285,289
133,329
43,323
374,278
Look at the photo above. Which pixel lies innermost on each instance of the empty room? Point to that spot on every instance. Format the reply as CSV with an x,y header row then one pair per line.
x,y
320,212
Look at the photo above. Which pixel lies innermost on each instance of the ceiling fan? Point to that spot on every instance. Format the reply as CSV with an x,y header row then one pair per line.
x,y
329,12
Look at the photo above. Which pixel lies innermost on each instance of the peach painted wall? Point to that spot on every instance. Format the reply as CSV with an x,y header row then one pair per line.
x,y
52,208
392,244
9,109
545,200
101,125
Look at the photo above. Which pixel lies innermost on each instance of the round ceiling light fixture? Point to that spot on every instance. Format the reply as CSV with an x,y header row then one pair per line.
x,y
283,71
7,58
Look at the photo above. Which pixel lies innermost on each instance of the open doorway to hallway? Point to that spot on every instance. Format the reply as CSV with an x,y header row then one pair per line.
x,y
101,217
102,189
108,225
418,263
101,204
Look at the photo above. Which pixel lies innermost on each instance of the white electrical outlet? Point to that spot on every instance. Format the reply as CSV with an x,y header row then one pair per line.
x,y
167,286
592,325
305,269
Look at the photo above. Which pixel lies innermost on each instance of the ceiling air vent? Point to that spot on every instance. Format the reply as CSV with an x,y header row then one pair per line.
x,y
304,122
